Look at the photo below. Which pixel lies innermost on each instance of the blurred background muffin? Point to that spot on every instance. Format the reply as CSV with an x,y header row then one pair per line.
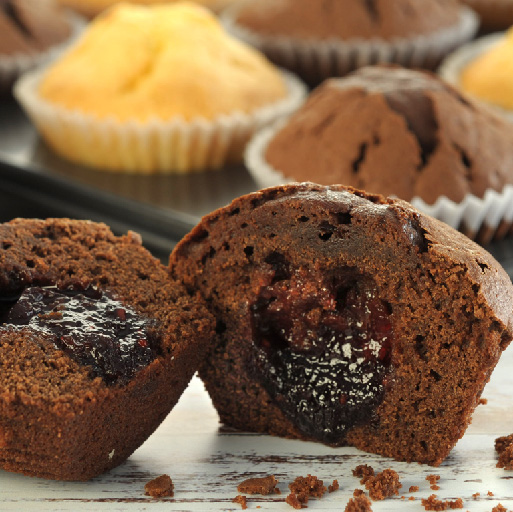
x,y
403,133
160,88
330,38
91,8
29,30
493,14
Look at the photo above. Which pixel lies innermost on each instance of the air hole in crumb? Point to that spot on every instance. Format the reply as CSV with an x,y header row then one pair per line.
x,y
211,252
244,225
424,446
325,236
226,246
235,211
483,266
200,235
248,250
6,245
420,347
220,327
343,217
142,276
360,158
303,218
435,375
30,263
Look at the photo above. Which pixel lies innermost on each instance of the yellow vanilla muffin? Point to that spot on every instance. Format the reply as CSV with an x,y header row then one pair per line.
x,y
156,89
490,76
165,61
91,8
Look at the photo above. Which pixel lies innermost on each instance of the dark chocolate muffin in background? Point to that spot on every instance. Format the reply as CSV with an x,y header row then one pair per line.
x,y
29,30
394,131
317,40
97,345
346,318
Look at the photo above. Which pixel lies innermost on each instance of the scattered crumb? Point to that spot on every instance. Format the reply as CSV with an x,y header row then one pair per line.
x,y
502,442
364,472
413,488
296,501
435,487
241,500
475,495
264,486
483,401
411,498
434,504
383,485
489,493
506,458
334,486
303,488
358,492
359,504
160,487
403,497
499,508
433,479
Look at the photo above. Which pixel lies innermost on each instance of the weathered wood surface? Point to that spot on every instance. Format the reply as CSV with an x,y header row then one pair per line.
x,y
206,463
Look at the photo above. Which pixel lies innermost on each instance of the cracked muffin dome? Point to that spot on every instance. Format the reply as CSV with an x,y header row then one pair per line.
x,y
346,318
317,40
397,132
159,88
97,343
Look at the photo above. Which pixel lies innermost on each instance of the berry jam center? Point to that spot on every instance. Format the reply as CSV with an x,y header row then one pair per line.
x,y
91,327
322,349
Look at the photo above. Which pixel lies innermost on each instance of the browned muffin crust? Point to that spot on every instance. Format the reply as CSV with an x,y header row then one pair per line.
x,y
397,132
57,418
29,26
444,300
347,19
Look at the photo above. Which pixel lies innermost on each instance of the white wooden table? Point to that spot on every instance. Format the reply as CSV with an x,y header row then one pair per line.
x,y
207,462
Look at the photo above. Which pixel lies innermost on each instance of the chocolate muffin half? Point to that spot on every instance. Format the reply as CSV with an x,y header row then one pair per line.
x,y
346,318
97,343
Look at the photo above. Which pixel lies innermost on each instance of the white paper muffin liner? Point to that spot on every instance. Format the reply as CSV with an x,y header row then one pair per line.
x,y
315,60
153,146
482,219
13,66
454,64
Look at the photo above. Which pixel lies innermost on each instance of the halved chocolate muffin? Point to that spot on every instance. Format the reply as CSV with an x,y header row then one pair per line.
x,y
97,343
346,318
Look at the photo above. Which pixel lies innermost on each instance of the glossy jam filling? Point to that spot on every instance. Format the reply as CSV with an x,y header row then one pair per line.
x,y
322,349
90,326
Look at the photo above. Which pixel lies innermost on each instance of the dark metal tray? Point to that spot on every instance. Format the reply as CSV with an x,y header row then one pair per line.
x,y
34,182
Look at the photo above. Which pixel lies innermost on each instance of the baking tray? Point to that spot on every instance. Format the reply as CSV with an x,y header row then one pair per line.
x,y
34,182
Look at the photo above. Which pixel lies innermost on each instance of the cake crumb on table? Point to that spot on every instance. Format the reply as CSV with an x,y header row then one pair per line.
x,y
302,489
363,471
499,508
160,487
504,447
357,492
241,500
476,495
413,488
483,401
433,479
489,493
358,504
265,485
334,486
383,485
432,503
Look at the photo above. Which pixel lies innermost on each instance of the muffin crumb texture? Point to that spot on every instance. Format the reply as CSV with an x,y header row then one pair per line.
x,y
359,504
383,485
160,487
241,500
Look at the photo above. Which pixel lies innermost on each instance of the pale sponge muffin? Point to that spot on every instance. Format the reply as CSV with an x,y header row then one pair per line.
x,y
490,76
158,69
91,8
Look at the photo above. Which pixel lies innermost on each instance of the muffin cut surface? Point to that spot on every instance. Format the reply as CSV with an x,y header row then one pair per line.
x,y
346,318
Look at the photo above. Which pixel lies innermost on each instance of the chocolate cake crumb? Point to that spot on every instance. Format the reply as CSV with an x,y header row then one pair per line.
x,y
334,486
264,486
475,495
411,498
435,487
499,508
506,457
383,485
160,487
309,485
501,443
358,492
413,488
489,493
432,503
241,500
358,504
433,479
483,401
296,501
363,471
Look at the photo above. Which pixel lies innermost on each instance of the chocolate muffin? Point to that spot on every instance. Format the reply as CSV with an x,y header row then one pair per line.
x,y
320,39
395,131
346,318
97,345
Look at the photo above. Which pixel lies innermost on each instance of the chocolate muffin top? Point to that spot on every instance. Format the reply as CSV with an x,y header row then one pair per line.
x,y
347,19
29,26
397,132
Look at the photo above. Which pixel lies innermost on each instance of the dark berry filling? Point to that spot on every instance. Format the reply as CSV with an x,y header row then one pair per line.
x,y
90,326
323,349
